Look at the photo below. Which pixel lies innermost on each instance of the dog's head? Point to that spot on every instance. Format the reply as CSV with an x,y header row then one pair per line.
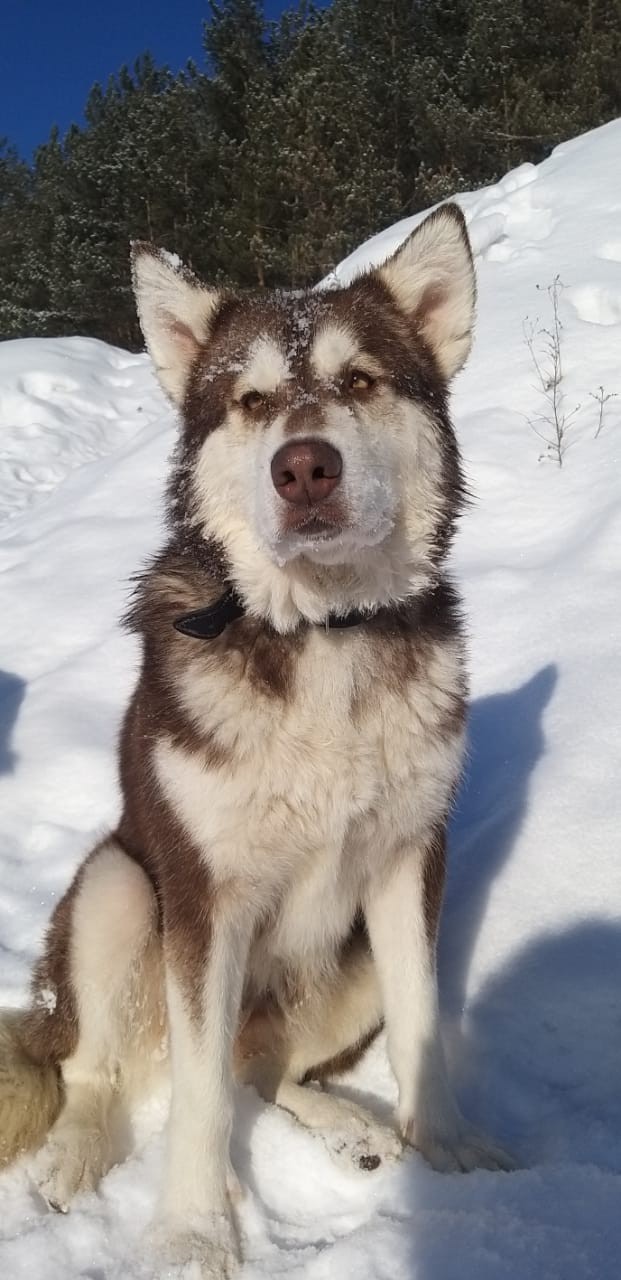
x,y
316,452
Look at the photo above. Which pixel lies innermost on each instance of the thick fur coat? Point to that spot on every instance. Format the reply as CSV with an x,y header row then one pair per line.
x,y
271,896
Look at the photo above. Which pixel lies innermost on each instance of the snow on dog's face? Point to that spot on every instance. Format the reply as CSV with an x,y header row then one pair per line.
x,y
316,452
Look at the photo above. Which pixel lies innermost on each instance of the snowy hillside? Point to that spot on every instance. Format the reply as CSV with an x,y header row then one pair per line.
x,y
531,937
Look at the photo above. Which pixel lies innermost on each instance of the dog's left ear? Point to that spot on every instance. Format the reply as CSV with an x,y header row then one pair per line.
x,y
431,277
176,313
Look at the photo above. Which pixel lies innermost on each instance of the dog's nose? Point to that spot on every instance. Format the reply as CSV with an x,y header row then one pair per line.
x,y
306,471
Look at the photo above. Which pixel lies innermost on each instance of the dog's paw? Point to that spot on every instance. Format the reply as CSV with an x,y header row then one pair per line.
x,y
357,1141
205,1250
74,1159
458,1150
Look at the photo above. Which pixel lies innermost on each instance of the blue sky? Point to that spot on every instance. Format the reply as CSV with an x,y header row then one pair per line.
x,y
52,51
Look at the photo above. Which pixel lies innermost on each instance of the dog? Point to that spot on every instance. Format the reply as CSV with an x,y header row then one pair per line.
x,y
271,896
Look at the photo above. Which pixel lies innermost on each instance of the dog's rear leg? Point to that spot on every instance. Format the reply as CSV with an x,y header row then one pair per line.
x,y
332,1028
114,968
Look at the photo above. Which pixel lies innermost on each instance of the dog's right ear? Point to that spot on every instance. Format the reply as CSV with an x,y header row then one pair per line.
x,y
175,312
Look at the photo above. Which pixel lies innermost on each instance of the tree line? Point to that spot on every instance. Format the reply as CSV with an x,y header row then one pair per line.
x,y
292,143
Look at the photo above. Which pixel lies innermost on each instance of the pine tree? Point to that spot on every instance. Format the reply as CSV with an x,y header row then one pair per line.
x,y
15,201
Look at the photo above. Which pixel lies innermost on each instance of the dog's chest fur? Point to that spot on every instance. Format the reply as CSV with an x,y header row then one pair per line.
x,y
307,795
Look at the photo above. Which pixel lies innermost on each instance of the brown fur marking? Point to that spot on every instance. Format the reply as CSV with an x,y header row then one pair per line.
x,y
434,875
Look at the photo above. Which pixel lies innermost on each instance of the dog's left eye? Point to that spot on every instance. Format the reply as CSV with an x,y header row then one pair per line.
x,y
252,400
358,380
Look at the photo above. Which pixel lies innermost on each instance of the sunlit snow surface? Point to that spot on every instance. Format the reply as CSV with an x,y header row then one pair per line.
x,y
531,939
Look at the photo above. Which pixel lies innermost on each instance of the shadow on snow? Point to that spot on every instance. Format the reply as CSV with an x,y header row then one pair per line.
x,y
12,690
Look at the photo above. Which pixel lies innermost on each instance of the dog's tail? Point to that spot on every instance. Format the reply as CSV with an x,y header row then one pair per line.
x,y
30,1094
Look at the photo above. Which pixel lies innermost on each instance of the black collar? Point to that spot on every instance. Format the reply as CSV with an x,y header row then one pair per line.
x,y
206,624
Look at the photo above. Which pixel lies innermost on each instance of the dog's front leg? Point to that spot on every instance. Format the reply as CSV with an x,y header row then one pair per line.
x,y
402,911
204,979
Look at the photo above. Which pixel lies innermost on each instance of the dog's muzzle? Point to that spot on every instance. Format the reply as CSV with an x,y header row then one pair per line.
x,y
306,474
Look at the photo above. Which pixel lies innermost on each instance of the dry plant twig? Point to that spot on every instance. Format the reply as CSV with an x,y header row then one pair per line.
x,y
601,399
546,353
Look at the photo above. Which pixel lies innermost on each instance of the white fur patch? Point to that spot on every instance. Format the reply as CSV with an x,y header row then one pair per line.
x,y
333,349
265,370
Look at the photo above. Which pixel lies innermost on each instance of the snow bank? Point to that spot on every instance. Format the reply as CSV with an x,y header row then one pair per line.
x,y
62,403
531,938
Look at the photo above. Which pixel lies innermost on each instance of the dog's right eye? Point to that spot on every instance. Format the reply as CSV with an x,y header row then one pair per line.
x,y
252,400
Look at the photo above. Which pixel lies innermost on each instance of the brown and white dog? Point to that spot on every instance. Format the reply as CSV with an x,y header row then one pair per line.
x,y
272,893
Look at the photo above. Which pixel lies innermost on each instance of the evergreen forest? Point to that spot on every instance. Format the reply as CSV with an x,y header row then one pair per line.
x,y
291,143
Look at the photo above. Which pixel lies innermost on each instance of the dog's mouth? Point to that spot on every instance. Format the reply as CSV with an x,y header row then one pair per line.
x,y
327,540
316,527
319,534
314,524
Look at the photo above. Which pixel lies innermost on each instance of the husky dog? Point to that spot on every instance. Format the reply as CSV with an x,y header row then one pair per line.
x,y
271,896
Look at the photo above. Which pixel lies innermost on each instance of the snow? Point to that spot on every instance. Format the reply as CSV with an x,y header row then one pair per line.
x,y
530,956
62,404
